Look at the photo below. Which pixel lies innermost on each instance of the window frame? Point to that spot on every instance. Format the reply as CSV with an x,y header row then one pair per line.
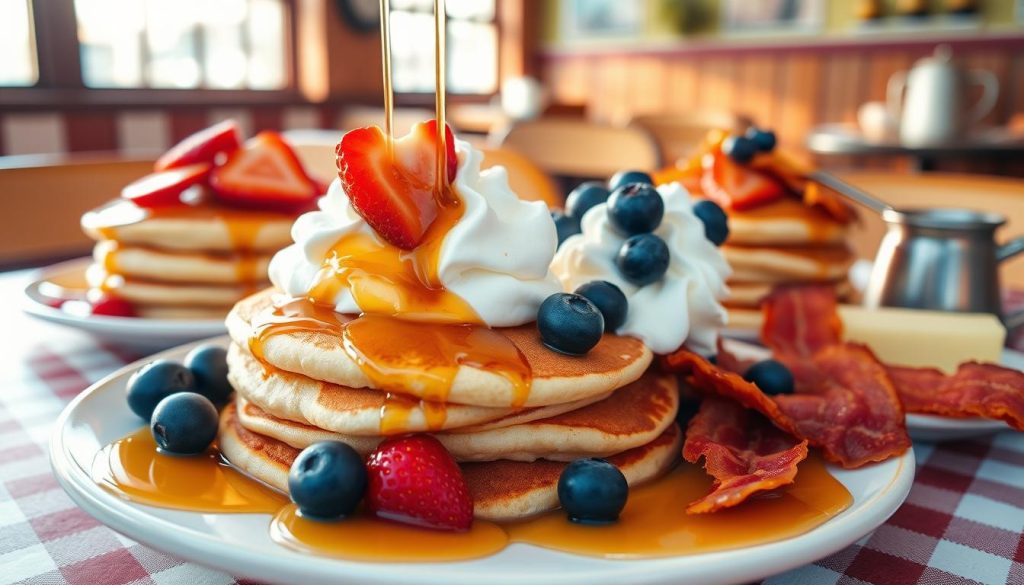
x,y
427,98
60,84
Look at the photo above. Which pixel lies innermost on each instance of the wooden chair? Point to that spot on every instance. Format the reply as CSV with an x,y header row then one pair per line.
x,y
678,134
45,196
571,147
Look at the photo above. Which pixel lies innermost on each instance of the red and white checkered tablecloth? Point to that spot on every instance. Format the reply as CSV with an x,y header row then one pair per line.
x,y
962,523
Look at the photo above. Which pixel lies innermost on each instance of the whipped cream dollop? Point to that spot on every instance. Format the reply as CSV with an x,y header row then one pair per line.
x,y
680,309
495,258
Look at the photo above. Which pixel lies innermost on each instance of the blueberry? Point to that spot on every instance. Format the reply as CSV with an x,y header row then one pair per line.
x,y
184,423
608,299
739,148
592,491
643,259
635,209
569,323
716,223
771,376
327,480
584,197
209,367
623,178
764,140
155,381
565,226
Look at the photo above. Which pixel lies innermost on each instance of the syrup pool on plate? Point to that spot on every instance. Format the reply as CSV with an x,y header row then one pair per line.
x,y
654,523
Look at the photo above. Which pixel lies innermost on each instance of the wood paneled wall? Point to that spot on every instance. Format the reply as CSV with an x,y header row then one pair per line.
x,y
790,88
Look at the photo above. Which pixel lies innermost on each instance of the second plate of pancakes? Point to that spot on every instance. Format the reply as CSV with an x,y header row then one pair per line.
x,y
139,333
240,543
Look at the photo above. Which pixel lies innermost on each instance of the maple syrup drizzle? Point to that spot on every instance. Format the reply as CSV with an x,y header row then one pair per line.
x,y
654,523
134,469
440,91
389,96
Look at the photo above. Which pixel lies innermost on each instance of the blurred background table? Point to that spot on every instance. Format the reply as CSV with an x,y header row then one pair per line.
x,y
1000,145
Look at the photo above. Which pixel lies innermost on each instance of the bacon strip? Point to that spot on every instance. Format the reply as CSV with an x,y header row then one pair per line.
x,y
800,320
845,401
976,389
742,451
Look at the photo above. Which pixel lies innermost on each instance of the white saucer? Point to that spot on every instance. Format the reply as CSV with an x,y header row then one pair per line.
x,y
922,427
134,332
240,545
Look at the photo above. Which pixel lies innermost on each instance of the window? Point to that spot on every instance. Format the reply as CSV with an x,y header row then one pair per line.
x,y
472,66
184,44
18,64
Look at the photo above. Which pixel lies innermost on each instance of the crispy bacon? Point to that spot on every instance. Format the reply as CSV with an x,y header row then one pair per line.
x,y
742,451
729,361
800,320
713,380
975,389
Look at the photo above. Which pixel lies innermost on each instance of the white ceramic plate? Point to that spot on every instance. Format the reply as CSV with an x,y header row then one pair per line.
x,y
134,332
922,427
240,545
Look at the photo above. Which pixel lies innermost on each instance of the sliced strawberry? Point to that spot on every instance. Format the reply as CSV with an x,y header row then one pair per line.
x,y
266,173
112,306
396,197
414,480
165,187
736,187
203,146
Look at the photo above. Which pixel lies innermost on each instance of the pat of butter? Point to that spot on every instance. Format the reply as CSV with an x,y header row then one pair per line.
x,y
910,337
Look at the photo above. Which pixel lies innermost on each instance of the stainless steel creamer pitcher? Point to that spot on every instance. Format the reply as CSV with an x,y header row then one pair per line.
x,y
942,259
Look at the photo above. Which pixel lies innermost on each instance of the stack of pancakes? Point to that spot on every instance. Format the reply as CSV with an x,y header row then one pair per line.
x,y
186,261
306,389
783,242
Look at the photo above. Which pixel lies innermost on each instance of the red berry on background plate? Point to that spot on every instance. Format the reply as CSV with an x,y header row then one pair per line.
x,y
111,306
396,197
414,480
202,147
266,173
735,186
164,188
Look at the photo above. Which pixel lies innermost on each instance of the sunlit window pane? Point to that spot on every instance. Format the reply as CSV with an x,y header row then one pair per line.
x,y
472,46
184,44
18,65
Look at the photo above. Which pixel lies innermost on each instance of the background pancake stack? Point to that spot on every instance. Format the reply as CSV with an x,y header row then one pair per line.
x,y
182,261
511,457
782,242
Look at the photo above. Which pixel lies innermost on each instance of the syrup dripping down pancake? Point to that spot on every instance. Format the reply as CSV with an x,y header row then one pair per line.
x,y
154,264
630,417
357,412
501,490
556,378
204,228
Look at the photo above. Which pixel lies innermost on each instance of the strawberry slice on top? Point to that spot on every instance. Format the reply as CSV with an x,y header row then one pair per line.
x,y
395,196
202,147
266,173
737,187
164,188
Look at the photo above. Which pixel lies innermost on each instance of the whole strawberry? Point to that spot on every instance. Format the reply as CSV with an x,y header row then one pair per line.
x,y
413,479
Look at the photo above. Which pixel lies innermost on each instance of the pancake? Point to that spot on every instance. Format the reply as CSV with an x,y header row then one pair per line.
x,y
630,417
780,264
750,294
557,378
357,411
188,267
191,228
150,292
782,223
184,313
501,490
747,318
